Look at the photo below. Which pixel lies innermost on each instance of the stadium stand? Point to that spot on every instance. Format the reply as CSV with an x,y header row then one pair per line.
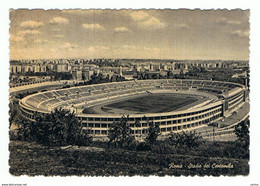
x,y
230,96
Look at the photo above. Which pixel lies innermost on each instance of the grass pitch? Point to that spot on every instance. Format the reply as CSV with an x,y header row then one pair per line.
x,y
155,103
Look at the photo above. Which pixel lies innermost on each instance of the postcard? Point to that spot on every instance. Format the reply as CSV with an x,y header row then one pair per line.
x,y
129,92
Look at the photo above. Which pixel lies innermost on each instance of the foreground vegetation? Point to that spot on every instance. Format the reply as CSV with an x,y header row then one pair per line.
x,y
33,159
55,144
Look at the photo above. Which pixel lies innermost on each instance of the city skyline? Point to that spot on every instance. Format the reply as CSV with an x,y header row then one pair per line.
x,y
136,34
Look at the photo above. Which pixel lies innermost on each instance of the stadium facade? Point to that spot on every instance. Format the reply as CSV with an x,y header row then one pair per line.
x,y
225,98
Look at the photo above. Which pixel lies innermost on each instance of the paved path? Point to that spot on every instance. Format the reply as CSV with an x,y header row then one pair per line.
x,y
33,87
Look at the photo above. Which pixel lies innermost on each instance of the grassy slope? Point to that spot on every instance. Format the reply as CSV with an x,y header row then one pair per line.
x,y
33,159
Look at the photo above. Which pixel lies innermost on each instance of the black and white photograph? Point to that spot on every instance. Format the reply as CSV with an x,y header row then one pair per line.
x,y
129,92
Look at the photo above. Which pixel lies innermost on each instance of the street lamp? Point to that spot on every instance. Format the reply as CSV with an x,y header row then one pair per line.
x,y
214,124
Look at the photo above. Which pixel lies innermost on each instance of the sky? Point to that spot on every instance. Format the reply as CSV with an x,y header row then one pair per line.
x,y
144,34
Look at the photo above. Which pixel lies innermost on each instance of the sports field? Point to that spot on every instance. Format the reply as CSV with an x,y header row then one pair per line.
x,y
154,103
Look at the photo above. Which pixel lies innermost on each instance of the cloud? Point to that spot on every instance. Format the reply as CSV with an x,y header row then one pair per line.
x,y
139,15
28,32
182,25
233,22
59,20
121,29
153,23
138,51
145,20
58,36
55,29
16,38
81,12
224,21
41,41
152,49
141,48
240,33
97,48
20,36
128,47
31,24
94,26
68,45
53,49
97,51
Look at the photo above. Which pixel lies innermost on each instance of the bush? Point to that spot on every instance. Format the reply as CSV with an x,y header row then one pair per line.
x,y
186,139
143,147
83,139
56,129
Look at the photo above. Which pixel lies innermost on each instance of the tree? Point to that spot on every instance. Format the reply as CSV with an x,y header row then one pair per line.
x,y
61,127
242,133
120,133
153,133
23,132
13,112
186,139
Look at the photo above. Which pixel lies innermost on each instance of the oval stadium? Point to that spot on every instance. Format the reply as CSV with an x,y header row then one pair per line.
x,y
174,104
